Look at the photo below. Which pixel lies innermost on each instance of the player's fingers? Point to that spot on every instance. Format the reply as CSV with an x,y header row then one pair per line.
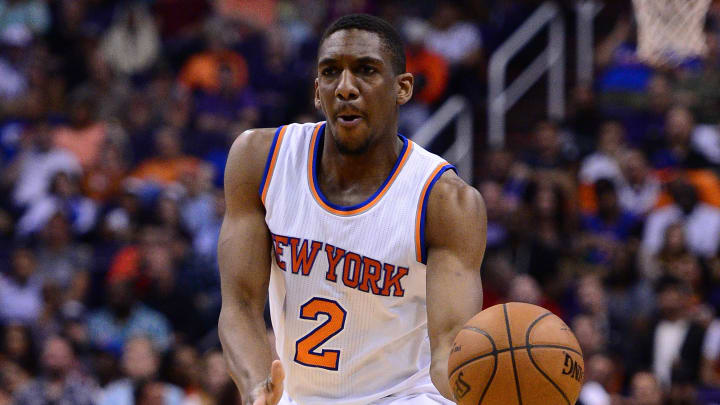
x,y
277,375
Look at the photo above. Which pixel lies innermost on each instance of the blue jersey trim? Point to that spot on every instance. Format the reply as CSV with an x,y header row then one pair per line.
x,y
271,154
319,192
423,248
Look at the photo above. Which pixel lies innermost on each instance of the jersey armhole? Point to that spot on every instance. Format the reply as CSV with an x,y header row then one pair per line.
x,y
420,248
271,160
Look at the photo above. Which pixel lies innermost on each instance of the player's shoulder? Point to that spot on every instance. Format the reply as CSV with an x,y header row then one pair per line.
x,y
246,159
452,194
455,210
251,150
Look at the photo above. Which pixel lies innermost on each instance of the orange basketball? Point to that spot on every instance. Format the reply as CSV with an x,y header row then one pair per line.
x,y
515,353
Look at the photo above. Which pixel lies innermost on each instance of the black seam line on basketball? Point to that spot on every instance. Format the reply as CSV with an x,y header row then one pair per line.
x,y
532,360
512,354
507,349
494,351
495,363
492,376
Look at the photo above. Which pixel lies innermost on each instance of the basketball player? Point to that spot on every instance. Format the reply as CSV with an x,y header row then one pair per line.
x,y
370,246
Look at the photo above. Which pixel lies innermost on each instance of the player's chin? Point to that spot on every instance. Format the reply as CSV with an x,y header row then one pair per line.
x,y
353,140
351,145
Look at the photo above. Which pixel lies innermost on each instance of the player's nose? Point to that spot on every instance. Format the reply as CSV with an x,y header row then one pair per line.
x,y
346,89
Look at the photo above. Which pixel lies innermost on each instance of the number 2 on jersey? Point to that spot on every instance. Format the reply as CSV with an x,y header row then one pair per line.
x,y
306,349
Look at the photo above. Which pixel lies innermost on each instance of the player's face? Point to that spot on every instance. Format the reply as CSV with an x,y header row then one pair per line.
x,y
357,88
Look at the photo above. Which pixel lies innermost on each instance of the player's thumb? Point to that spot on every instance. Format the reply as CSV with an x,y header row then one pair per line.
x,y
277,374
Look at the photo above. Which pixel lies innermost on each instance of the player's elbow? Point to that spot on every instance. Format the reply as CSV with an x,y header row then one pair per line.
x,y
439,377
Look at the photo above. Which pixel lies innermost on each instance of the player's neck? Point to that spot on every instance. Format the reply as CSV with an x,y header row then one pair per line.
x,y
349,179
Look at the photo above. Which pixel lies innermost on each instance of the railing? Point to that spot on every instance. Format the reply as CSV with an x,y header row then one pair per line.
x,y
551,60
460,153
586,10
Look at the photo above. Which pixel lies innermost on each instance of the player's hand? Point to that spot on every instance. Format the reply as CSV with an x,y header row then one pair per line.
x,y
270,391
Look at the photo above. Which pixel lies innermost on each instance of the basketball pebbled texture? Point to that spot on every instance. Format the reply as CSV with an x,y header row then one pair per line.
x,y
516,353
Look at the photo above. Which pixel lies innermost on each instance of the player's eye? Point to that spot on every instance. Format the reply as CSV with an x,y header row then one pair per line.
x,y
367,69
328,71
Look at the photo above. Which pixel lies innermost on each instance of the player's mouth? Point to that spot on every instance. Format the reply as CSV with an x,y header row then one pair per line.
x,y
349,120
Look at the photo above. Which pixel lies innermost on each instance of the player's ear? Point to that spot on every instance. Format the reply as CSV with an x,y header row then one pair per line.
x,y
405,83
317,95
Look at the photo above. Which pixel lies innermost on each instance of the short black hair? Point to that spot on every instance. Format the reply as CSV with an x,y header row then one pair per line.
x,y
604,185
387,33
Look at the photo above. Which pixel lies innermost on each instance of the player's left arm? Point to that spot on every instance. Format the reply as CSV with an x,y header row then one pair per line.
x,y
456,228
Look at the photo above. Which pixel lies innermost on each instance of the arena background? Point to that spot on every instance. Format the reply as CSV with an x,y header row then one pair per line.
x,y
116,117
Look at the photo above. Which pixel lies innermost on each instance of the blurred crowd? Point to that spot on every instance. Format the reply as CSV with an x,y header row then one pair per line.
x,y
115,122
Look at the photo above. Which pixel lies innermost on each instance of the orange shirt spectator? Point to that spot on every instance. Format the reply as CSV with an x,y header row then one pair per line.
x,y
260,13
430,66
202,71
170,164
85,143
166,171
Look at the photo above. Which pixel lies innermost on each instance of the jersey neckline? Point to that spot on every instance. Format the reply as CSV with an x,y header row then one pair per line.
x,y
371,201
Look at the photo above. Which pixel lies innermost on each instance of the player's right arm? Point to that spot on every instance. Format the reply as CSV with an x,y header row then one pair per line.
x,y
244,260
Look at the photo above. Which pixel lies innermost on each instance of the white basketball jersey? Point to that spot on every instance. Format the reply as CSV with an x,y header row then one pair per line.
x,y
347,285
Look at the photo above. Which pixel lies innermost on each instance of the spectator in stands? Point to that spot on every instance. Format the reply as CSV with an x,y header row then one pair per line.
x,y
279,76
62,260
605,161
36,163
459,42
64,197
700,90
645,390
640,190
103,182
185,371
60,382
21,289
524,288
598,371
710,372
497,213
169,165
549,148
13,41
431,74
12,379
132,43
584,117
112,326
502,167
214,375
545,244
140,364
111,91
231,105
198,206
679,152
674,247
589,335
85,136
621,69
609,227
33,15
18,347
700,220
203,71
206,238
706,140
169,293
672,346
